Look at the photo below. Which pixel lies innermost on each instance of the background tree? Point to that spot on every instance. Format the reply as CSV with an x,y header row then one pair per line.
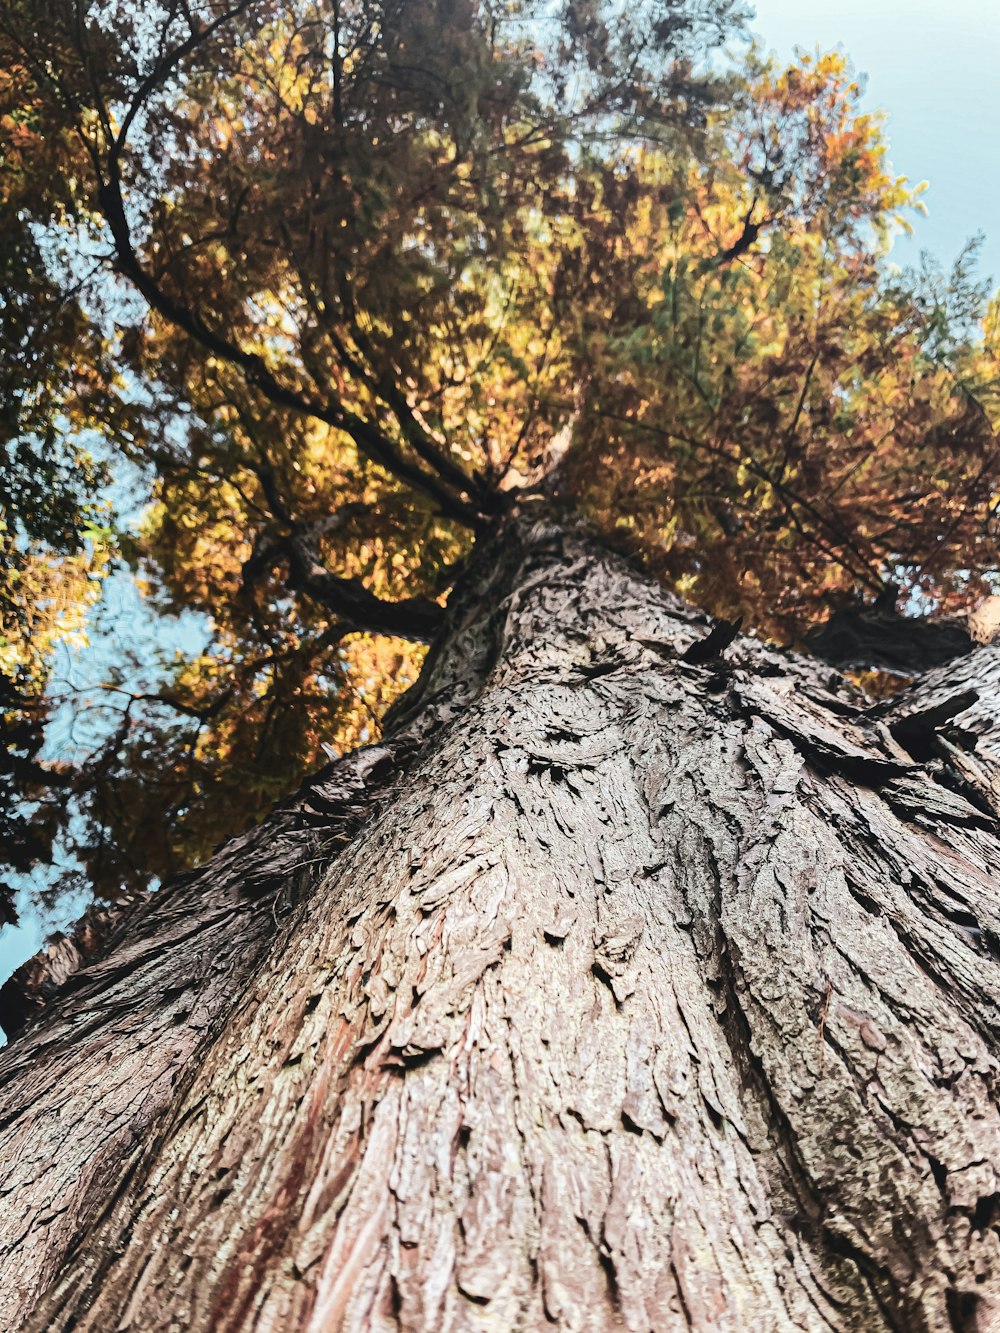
x,y
394,295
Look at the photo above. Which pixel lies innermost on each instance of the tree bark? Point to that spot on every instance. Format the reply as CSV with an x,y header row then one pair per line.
x,y
613,991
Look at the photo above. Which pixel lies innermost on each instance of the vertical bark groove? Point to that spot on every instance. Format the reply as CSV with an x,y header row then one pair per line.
x,y
653,995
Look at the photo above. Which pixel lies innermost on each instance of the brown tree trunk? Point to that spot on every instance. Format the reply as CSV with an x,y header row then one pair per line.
x,y
613,991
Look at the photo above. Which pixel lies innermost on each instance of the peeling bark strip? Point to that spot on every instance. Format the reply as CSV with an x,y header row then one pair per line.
x,y
658,994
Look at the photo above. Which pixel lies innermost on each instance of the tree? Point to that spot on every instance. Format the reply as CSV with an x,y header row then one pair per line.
x,y
373,264
640,974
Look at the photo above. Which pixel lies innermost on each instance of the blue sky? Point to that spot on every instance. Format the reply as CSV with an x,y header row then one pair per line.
x,y
933,67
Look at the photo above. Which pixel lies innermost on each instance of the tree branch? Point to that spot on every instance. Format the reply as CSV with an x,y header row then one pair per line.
x,y
415,618
372,442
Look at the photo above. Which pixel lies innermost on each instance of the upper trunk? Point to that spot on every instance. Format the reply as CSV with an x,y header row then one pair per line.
x,y
650,993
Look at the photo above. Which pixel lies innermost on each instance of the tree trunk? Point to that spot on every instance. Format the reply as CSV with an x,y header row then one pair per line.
x,y
618,989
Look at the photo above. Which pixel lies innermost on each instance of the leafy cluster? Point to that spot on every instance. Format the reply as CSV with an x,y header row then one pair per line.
x,y
776,418
353,278
57,383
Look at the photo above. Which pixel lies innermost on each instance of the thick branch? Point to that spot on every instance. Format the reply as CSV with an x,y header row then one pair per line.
x,y
411,618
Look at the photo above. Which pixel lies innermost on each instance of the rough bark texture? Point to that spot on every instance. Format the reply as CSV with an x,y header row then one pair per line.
x,y
645,995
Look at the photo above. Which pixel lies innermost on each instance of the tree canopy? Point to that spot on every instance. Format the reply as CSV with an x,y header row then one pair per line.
x,y
350,279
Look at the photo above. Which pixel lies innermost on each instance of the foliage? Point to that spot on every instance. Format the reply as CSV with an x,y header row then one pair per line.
x,y
778,432
359,276
57,381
